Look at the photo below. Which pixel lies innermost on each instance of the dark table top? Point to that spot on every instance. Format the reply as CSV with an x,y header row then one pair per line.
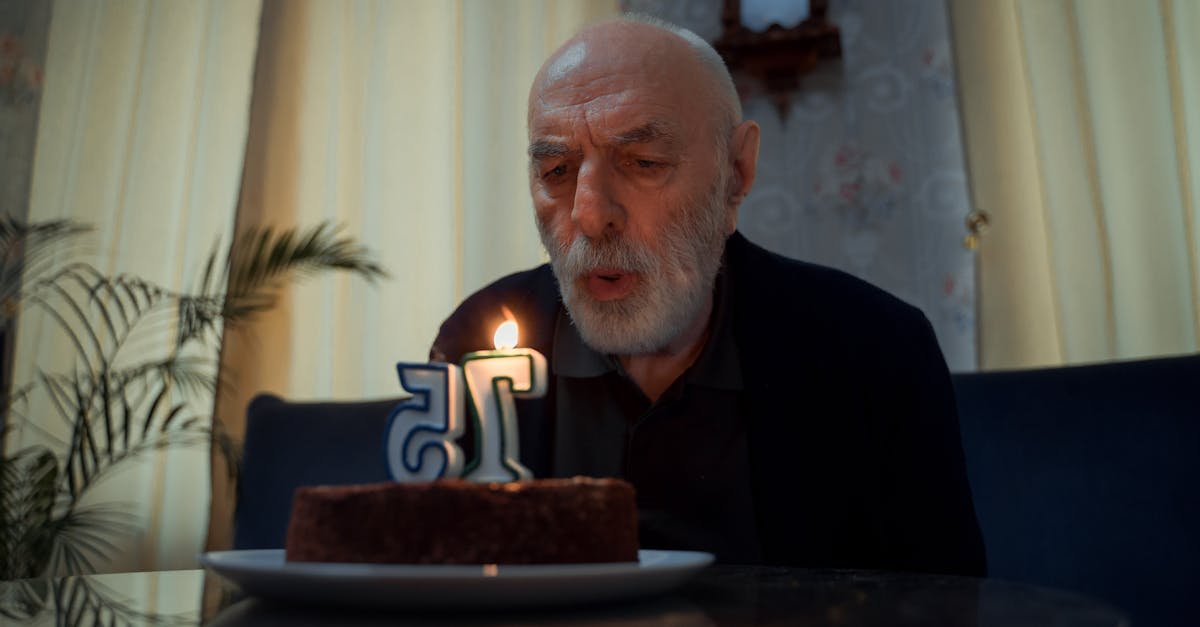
x,y
719,595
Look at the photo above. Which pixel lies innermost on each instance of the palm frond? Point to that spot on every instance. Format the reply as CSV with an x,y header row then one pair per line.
x,y
95,312
260,259
177,430
15,233
87,533
24,599
22,246
10,400
86,601
141,353
28,487
36,431
192,373
198,318
113,416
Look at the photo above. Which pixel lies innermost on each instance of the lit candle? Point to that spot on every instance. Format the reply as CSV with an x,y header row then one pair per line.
x,y
419,445
494,378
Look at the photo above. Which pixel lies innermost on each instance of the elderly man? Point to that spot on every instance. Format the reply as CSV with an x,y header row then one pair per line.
x,y
765,409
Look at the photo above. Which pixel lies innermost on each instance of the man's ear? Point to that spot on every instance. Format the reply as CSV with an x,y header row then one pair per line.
x,y
743,151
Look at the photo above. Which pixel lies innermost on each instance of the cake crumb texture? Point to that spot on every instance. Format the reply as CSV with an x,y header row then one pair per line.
x,y
453,521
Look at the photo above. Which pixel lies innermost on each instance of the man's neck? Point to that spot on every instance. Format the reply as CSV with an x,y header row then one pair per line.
x,y
655,372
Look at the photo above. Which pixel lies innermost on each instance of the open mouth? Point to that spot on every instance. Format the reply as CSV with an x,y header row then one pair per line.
x,y
609,283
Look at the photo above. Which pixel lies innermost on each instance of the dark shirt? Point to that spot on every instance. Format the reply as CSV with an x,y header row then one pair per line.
x,y
698,496
846,409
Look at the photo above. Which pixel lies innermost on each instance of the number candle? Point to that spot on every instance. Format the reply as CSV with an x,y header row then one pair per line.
x,y
421,430
493,379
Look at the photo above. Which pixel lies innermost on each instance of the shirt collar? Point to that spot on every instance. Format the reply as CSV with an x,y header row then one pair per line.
x,y
717,366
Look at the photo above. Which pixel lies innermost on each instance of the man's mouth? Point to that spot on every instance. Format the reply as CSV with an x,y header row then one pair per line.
x,y
609,283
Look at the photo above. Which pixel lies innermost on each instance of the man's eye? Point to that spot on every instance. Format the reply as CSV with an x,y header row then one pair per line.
x,y
646,163
557,171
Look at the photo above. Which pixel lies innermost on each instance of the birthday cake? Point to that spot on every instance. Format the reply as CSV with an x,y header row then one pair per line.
x,y
453,521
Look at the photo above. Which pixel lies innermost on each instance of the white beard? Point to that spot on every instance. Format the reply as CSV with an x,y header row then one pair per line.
x,y
673,288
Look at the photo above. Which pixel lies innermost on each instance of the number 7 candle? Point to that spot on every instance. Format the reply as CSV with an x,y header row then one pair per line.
x,y
494,378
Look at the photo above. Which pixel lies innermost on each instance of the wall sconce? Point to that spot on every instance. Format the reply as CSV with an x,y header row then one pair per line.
x,y
777,42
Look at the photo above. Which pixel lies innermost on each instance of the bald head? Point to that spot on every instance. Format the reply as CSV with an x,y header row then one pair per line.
x,y
726,92
641,48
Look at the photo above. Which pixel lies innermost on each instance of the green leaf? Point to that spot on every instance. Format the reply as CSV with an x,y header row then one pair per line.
x,y
259,261
23,247
28,491
127,392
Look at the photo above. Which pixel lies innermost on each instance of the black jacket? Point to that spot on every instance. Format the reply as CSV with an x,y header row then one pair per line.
x,y
855,455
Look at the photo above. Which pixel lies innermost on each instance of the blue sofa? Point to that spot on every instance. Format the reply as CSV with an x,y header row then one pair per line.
x,y
288,445
1087,478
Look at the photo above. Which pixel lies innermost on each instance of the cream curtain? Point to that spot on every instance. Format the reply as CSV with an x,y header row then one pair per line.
x,y
1082,124
405,122
141,134
402,121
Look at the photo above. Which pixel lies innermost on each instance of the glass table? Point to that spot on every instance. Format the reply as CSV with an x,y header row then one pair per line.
x,y
719,595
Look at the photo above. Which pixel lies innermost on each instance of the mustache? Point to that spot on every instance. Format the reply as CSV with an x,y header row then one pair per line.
x,y
584,255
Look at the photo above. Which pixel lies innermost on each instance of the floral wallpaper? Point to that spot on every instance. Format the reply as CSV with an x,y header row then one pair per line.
x,y
867,173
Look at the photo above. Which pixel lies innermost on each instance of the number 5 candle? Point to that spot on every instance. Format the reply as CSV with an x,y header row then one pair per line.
x,y
419,444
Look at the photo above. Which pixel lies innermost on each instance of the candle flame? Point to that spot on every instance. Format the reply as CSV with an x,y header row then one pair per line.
x,y
506,335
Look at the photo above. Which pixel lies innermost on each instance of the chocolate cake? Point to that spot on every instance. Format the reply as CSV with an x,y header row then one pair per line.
x,y
452,521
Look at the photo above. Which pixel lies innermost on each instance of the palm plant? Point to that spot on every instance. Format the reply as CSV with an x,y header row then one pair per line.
x,y
115,402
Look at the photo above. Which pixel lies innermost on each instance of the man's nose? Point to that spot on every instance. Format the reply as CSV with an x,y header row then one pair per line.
x,y
596,209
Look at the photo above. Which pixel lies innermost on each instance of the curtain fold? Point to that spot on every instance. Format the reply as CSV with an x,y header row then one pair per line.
x,y
141,135
1081,124
405,123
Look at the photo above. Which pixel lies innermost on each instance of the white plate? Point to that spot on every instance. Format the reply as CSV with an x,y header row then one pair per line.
x,y
265,574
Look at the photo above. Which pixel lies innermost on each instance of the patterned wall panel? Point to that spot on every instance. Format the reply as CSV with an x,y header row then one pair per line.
x,y
867,173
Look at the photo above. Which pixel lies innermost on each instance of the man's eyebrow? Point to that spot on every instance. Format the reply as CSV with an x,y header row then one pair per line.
x,y
542,149
649,132
646,133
